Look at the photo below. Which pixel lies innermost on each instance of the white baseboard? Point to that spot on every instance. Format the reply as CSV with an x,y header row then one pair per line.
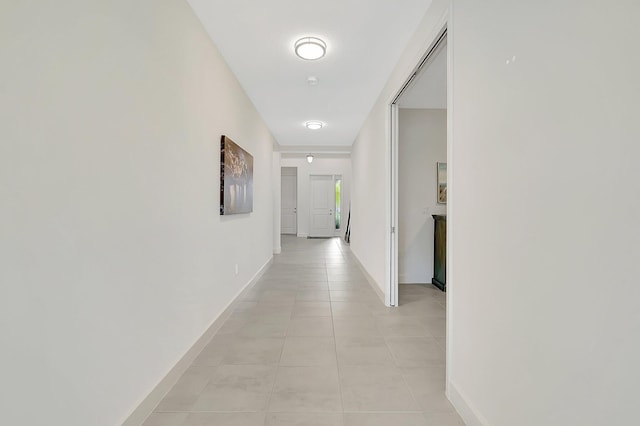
x,y
469,414
303,235
146,407
370,279
277,250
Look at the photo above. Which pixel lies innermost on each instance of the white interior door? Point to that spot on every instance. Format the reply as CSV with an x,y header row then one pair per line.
x,y
322,203
289,202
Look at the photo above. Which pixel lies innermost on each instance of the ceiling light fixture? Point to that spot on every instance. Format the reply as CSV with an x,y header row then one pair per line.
x,y
309,158
314,125
310,48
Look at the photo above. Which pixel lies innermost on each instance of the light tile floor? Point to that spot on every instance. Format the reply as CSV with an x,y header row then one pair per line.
x,y
311,344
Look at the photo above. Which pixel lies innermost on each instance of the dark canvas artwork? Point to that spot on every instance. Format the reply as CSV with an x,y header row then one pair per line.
x,y
236,178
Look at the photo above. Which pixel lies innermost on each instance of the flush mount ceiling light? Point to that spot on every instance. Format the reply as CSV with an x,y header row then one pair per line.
x,y
314,125
310,48
309,158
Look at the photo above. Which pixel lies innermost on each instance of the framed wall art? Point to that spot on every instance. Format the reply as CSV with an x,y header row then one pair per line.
x,y
236,178
442,182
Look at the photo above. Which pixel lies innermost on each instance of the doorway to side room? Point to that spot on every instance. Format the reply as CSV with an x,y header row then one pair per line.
x,y
418,177
289,201
419,172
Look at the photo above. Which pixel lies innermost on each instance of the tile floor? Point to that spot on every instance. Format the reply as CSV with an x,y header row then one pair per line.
x,y
311,344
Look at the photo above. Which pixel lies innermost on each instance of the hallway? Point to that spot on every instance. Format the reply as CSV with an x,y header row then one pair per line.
x,y
312,344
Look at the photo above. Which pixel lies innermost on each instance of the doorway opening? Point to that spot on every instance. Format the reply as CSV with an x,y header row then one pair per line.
x,y
289,201
418,117
338,195
412,212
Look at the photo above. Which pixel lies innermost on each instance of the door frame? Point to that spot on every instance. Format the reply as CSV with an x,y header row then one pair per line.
x,y
391,293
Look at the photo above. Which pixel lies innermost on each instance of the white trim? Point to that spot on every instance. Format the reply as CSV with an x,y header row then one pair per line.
x,y
301,153
448,22
303,235
277,250
296,151
469,414
394,164
148,404
388,205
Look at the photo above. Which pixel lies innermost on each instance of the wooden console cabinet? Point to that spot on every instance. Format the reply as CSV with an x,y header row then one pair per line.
x,y
440,252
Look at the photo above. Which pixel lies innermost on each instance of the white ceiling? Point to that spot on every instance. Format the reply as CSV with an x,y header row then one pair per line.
x,y
364,39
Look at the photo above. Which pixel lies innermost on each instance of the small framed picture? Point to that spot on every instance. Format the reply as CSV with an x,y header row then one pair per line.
x,y
442,182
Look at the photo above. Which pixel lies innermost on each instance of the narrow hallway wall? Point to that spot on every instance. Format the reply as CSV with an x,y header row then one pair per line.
x,y
115,259
545,206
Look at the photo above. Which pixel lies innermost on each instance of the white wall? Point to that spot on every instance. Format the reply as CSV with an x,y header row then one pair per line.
x,y
320,166
114,258
370,156
422,142
544,211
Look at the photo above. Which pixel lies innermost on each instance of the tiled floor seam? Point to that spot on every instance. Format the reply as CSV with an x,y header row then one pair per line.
x,y
275,379
335,348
